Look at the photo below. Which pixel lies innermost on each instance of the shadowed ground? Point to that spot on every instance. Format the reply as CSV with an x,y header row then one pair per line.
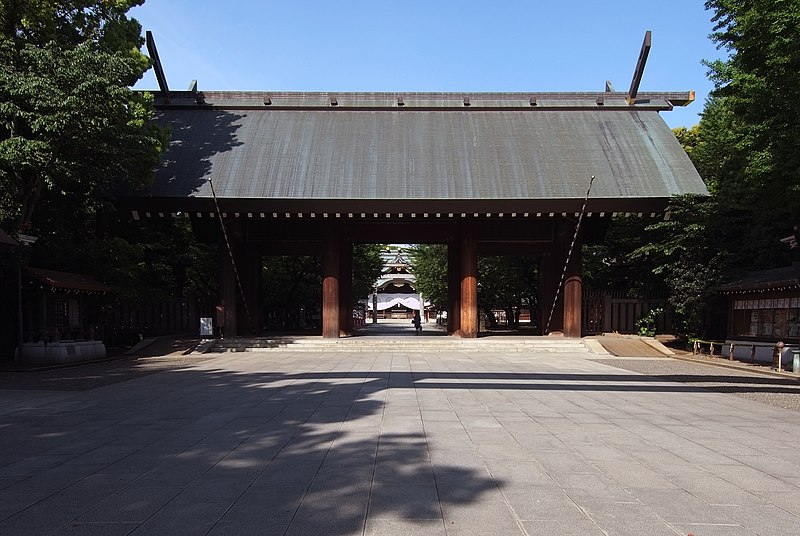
x,y
399,443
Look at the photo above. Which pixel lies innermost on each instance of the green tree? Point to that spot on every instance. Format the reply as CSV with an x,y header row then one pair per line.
x,y
367,266
508,283
72,132
745,148
73,135
758,87
292,283
430,269
293,290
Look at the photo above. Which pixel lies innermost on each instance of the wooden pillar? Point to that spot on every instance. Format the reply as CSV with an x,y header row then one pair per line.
x,y
227,292
331,269
469,283
346,289
573,292
249,265
551,268
547,291
607,312
453,287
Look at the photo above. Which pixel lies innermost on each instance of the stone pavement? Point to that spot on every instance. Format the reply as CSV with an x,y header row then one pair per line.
x,y
439,443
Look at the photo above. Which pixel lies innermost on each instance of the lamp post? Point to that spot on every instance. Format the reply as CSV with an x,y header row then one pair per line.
x,y
20,333
25,240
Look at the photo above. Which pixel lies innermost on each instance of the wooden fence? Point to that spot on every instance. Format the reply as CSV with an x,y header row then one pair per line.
x,y
123,324
614,311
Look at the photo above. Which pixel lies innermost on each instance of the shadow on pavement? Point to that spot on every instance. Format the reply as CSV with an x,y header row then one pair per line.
x,y
227,452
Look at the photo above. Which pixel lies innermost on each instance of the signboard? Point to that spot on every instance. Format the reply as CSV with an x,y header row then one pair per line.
x,y
206,327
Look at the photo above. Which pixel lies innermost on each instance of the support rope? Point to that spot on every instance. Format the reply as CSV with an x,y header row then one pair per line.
x,y
230,254
569,255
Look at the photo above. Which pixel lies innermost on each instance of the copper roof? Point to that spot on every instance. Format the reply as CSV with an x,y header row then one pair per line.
x,y
6,240
509,148
67,280
774,278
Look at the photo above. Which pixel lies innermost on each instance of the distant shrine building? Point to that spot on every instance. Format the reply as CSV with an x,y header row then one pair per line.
x,y
483,173
396,294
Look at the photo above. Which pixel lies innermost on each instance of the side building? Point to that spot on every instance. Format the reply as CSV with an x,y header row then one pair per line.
x,y
764,312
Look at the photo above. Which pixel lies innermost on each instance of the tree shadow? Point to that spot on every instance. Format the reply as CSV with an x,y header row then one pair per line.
x,y
224,452
198,139
547,381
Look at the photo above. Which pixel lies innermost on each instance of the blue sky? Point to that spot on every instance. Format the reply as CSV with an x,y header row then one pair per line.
x,y
377,45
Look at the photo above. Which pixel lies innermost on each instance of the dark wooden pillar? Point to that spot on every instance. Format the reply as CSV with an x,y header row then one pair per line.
x,y
566,316
346,288
469,283
552,267
453,287
331,270
227,291
547,291
573,292
249,265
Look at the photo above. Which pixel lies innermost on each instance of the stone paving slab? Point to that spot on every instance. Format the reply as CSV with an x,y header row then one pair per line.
x,y
445,443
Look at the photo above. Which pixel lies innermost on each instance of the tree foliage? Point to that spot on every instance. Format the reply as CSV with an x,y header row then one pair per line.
x,y
746,150
73,135
430,269
292,290
294,283
72,132
144,262
507,283
367,266
759,86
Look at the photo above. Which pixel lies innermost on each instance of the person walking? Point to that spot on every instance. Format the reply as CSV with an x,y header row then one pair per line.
x,y
417,321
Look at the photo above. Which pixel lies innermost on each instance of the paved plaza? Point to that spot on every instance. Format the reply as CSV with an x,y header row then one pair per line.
x,y
395,443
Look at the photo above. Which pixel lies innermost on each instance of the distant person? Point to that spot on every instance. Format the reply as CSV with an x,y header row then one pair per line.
x,y
220,309
417,323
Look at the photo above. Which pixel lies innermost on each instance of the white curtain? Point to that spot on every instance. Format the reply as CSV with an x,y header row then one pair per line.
x,y
387,301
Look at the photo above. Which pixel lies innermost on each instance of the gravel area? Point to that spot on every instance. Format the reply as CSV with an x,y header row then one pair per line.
x,y
780,391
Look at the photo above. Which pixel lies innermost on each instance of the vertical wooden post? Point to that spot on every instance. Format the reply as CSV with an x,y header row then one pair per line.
x,y
573,293
346,288
249,264
331,267
547,291
469,283
608,311
453,286
227,291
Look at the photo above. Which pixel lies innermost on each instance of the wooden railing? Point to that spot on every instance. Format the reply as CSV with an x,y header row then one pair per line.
x,y
752,350
697,347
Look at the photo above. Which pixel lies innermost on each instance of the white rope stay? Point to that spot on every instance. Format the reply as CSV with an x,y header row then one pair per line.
x,y
569,255
230,254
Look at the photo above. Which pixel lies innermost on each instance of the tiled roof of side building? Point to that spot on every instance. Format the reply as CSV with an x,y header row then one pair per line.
x,y
773,278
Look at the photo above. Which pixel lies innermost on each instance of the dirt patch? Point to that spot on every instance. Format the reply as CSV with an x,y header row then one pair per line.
x,y
624,347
